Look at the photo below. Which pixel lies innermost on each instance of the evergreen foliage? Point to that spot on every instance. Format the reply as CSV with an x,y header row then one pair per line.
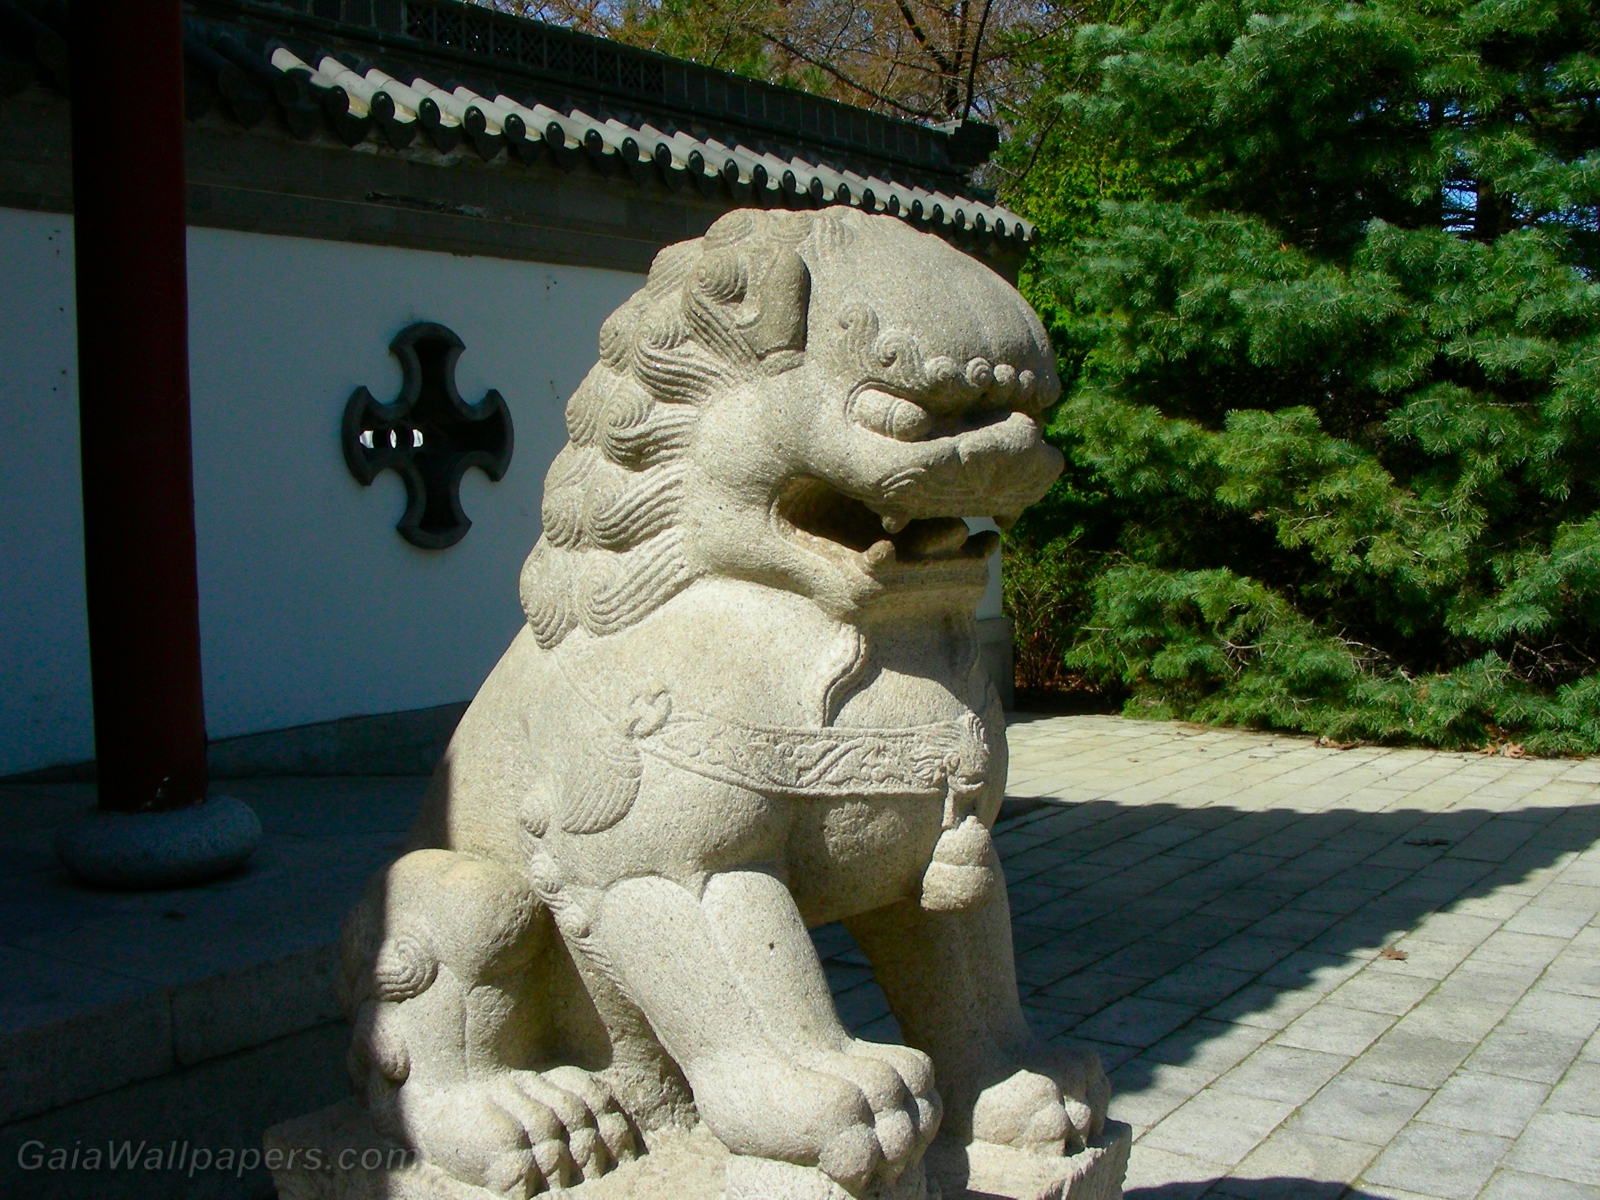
x,y
1332,348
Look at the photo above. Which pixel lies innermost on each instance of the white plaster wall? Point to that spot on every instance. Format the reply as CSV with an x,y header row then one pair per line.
x,y
989,607
312,606
44,651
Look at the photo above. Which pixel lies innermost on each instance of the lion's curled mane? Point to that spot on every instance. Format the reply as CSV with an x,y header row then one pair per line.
x,y
714,313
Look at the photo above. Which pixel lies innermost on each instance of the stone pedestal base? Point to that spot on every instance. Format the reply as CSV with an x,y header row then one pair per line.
x,y
335,1154
982,1171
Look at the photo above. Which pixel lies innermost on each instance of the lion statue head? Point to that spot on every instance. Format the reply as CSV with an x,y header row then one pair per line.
x,y
807,400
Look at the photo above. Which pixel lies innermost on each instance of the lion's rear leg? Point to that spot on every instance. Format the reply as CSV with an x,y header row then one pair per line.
x,y
732,986
440,980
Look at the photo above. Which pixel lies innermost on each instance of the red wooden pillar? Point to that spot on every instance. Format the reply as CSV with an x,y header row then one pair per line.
x,y
133,387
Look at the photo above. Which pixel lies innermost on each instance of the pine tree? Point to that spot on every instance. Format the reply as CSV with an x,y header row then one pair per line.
x,y
1333,365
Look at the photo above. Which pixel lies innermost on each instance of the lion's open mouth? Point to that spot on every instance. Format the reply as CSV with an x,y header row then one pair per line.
x,y
816,513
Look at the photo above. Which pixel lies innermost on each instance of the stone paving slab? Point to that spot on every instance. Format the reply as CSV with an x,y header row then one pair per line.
x,y
1209,910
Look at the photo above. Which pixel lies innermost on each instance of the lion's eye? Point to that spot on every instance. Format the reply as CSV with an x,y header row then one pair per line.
x,y
890,415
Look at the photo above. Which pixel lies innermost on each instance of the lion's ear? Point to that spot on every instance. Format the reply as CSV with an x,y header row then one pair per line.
x,y
783,298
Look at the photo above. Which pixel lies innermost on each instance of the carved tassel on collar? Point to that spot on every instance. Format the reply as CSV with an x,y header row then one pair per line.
x,y
961,875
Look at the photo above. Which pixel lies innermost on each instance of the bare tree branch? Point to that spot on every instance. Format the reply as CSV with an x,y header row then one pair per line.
x,y
920,59
821,65
917,32
972,72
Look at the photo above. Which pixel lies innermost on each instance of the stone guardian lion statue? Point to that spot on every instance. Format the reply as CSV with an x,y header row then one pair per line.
x,y
747,701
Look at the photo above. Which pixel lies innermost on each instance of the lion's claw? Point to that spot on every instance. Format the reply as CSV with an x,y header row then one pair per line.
x,y
518,1133
612,1128
897,1083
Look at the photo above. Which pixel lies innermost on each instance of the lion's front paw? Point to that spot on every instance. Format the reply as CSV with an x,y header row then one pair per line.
x,y
1052,1105
517,1133
1085,1090
897,1082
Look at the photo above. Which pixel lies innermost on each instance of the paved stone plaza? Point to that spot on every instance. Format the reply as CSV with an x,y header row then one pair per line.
x,y
1209,910
1207,907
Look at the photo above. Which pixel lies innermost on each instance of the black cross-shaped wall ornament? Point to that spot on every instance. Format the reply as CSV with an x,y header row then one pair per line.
x,y
429,436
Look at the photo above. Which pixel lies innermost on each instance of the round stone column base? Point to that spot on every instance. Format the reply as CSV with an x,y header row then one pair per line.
x,y
149,851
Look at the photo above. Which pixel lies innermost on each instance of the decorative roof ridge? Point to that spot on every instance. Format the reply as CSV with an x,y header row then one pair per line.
x,y
482,39
328,88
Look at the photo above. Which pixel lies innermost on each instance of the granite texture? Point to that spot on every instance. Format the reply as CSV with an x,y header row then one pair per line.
x,y
335,1154
749,699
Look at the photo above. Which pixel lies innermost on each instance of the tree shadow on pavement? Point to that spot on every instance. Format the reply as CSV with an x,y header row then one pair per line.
x,y
1164,935
1159,923
1275,1188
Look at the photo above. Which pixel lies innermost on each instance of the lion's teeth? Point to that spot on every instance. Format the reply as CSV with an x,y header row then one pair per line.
x,y
893,525
880,552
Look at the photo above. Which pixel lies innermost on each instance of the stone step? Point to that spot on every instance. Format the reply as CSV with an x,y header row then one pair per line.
x,y
110,996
